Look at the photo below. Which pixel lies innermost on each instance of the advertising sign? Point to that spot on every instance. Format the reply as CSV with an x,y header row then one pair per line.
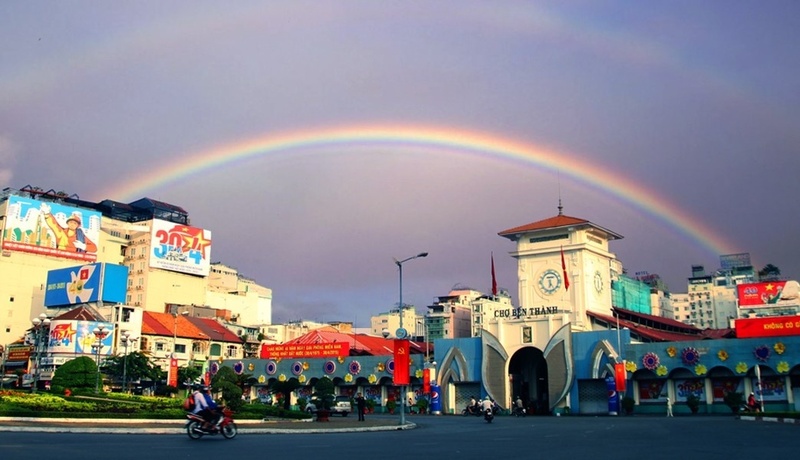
x,y
51,229
68,336
773,388
180,248
769,294
684,388
773,326
652,390
86,283
310,350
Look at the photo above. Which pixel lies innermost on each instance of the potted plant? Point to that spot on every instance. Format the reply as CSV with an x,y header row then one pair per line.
x,y
422,406
628,404
370,405
302,402
391,405
734,401
323,394
693,402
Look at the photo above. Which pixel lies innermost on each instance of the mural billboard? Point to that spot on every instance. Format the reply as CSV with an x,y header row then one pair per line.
x,y
769,294
52,229
86,283
180,248
76,337
772,326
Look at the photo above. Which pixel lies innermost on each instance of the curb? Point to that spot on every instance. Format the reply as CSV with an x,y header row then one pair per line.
x,y
753,418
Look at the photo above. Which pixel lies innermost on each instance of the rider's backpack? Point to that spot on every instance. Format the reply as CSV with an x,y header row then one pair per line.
x,y
188,403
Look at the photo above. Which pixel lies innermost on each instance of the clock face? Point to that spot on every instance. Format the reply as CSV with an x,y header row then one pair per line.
x,y
549,281
598,282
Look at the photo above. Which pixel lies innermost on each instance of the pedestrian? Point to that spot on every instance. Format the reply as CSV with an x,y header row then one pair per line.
x,y
669,407
361,405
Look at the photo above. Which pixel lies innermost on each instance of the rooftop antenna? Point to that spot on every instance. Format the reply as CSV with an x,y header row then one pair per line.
x,y
560,207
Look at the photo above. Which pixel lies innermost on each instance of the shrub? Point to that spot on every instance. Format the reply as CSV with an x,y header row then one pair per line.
x,y
734,400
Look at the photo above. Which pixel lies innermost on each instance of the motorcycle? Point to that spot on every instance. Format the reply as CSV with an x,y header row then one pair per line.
x,y
471,410
226,427
519,411
488,415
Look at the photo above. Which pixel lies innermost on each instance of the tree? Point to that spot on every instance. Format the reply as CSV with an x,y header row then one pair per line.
x,y
285,388
769,273
188,374
324,393
137,367
75,373
228,383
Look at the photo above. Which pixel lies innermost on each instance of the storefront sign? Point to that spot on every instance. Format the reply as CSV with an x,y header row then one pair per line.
x,y
773,326
525,312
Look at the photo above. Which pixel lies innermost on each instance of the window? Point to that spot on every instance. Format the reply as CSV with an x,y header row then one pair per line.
x,y
180,348
159,346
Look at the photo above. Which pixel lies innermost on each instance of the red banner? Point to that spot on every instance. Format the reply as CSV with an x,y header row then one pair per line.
x,y
774,326
426,381
620,376
172,377
401,362
309,350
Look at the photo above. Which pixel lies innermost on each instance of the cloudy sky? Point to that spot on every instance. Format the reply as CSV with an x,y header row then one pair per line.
x,y
318,140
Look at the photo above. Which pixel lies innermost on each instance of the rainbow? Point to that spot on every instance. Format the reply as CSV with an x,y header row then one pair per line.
x,y
460,141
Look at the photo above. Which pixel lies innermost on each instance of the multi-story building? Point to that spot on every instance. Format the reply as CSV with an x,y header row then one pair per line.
x,y
451,316
390,320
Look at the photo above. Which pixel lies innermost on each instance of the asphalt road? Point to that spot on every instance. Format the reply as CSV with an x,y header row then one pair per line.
x,y
446,437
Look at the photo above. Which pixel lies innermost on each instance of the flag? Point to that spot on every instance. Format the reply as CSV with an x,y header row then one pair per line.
x,y
494,279
564,269
401,362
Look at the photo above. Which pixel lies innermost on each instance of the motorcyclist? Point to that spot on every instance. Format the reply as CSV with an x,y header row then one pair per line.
x,y
519,407
201,406
472,408
214,416
752,405
487,404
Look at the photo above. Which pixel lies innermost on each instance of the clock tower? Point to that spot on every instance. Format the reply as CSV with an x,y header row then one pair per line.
x,y
564,263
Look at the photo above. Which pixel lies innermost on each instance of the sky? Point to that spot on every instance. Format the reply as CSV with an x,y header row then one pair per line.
x,y
318,141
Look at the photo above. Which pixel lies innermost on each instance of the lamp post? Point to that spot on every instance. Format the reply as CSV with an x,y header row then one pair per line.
x,y
401,333
40,324
126,339
99,333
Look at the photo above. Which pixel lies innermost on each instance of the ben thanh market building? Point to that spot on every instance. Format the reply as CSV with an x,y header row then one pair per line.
x,y
567,343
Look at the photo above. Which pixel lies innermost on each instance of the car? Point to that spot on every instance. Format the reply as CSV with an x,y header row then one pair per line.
x,y
311,408
341,406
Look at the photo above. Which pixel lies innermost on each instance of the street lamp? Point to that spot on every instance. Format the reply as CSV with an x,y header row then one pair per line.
x,y
126,339
401,333
99,333
40,325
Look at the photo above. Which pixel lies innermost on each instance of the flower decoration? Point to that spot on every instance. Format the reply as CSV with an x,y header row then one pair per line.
x,y
662,370
372,378
297,368
390,365
418,373
348,378
700,369
340,359
301,379
779,348
213,368
722,355
282,378
355,367
261,379
271,367
650,361
630,366
690,356
277,360
761,353
381,367
329,367
783,367
238,368
741,368
672,351
305,365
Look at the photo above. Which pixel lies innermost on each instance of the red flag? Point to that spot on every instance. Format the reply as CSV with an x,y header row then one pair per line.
x,y
564,269
401,362
494,279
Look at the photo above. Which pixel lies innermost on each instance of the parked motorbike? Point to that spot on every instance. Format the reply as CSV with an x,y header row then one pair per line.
x,y
471,410
488,415
745,409
226,427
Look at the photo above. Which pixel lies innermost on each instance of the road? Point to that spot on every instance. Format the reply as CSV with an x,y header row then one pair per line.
x,y
445,437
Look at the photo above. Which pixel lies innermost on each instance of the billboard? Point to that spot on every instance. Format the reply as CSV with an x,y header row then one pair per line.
x,y
68,336
773,326
52,229
86,283
311,350
180,248
768,294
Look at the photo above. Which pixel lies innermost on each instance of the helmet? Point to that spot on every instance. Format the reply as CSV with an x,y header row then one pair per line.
x,y
486,398
206,388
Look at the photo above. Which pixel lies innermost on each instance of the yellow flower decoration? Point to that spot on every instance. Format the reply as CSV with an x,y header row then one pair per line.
x,y
741,368
783,367
418,373
261,379
277,360
662,370
700,369
722,355
779,348
372,378
251,367
348,378
672,351
305,365
302,378
630,366
282,378
381,367
340,359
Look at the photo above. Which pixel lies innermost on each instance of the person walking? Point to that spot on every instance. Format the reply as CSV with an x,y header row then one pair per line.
x,y
361,405
669,407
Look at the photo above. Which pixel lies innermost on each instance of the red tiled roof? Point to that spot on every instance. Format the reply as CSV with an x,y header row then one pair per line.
x,y
653,332
359,343
558,221
81,313
187,327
